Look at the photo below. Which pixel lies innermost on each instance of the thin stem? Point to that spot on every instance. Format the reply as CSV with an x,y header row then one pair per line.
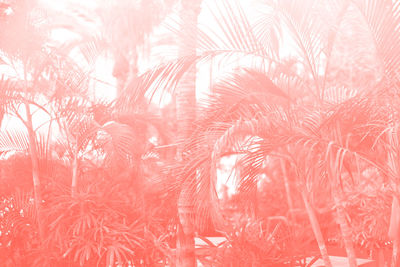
x,y
34,160
317,231
287,186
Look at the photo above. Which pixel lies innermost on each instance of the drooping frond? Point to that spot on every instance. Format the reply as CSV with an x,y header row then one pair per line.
x,y
383,19
161,79
115,139
13,141
307,31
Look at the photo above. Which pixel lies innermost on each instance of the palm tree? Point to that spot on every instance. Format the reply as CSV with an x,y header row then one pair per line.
x,y
41,79
97,143
315,37
136,20
185,115
20,28
292,111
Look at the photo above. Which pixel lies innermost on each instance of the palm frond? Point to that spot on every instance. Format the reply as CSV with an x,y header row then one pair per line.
x,y
312,26
13,141
118,141
383,19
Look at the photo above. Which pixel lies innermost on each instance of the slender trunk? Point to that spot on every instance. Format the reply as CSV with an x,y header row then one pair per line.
x,y
74,182
394,227
185,248
317,231
125,69
380,258
186,89
120,71
287,186
35,168
395,252
345,231
394,230
394,219
34,159
185,112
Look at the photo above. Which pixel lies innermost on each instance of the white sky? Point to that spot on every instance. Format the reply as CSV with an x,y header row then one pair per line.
x,y
103,69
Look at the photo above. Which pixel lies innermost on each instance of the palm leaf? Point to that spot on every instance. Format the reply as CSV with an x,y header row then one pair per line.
x,y
13,141
383,19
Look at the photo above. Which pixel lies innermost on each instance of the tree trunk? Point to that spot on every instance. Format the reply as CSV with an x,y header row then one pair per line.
x,y
287,186
317,231
185,248
394,226
395,253
394,230
394,219
345,231
185,112
120,71
74,182
35,168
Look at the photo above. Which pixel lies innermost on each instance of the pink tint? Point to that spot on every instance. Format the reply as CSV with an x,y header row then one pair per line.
x,y
199,133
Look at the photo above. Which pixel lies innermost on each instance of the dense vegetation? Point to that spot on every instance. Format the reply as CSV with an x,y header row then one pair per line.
x,y
303,100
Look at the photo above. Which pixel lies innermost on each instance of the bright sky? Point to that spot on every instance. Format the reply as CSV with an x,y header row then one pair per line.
x,y
104,82
104,66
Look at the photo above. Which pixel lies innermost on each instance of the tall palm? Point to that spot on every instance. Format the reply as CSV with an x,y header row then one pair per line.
x,y
384,35
185,115
313,27
94,145
41,77
242,41
20,27
136,20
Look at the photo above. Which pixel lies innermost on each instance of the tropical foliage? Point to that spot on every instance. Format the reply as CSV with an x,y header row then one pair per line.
x,y
302,99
